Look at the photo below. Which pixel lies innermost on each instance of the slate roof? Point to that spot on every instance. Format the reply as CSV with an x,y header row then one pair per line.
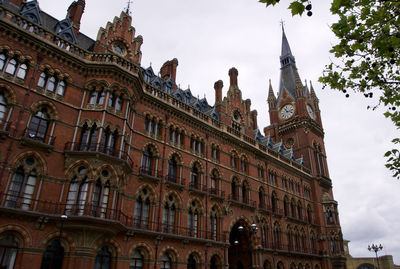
x,y
31,11
185,96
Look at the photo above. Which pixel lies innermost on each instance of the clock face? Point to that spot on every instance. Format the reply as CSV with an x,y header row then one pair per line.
x,y
310,112
287,111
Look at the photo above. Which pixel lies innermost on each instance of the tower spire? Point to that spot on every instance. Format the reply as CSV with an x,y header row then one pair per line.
x,y
290,79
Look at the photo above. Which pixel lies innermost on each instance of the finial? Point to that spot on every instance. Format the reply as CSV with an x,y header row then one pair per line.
x,y
150,64
128,7
282,23
189,86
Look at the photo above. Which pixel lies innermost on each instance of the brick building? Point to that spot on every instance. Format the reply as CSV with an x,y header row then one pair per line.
x,y
105,164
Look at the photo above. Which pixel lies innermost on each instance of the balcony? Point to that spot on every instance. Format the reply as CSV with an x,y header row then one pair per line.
x,y
216,193
37,140
99,151
264,208
244,202
197,188
89,212
149,175
173,181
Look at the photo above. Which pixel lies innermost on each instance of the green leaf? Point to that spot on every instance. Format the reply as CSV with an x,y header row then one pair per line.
x,y
297,8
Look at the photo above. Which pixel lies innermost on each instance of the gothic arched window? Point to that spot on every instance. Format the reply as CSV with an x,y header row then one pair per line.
x,y
166,261
142,209
39,125
100,199
22,187
169,215
103,258
8,250
53,255
137,260
77,193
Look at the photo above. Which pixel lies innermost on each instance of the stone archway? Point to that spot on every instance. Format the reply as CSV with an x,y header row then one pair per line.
x,y
239,252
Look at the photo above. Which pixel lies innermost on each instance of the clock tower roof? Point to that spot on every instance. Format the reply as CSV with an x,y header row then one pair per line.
x,y
289,77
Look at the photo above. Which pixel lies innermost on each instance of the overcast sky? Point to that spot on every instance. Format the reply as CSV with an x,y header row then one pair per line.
x,y
208,37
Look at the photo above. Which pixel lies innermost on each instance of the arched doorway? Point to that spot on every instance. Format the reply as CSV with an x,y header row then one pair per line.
x,y
191,264
215,262
239,253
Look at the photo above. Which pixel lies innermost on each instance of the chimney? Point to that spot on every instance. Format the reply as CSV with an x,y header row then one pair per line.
x,y
74,14
168,70
233,74
218,91
254,118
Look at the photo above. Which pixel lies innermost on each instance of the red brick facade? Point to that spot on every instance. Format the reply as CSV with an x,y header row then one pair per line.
x,y
105,165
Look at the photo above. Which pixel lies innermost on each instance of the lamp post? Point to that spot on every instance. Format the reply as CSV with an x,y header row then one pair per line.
x,y
252,231
63,218
375,248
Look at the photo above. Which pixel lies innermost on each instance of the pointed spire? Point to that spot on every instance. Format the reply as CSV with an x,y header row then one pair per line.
x,y
271,95
285,44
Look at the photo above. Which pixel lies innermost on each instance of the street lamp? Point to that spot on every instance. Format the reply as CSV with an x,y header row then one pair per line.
x,y
63,218
375,248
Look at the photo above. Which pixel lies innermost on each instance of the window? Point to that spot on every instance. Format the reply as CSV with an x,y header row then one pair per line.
x,y
39,125
195,178
272,178
96,96
147,161
274,202
137,260
12,66
176,136
193,220
286,208
215,152
261,198
3,107
196,145
214,223
263,236
103,258
214,186
108,141
152,127
88,139
142,209
173,170
53,256
76,199
260,172
8,250
191,264
306,193
244,165
245,193
22,187
234,190
284,183
51,83
115,101
100,198
169,215
166,261
234,161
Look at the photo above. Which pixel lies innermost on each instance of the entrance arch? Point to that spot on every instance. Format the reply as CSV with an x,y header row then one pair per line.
x,y
239,252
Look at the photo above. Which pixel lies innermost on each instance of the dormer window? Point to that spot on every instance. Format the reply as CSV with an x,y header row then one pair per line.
x,y
118,49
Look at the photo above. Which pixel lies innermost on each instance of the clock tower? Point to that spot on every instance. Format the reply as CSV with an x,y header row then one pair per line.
x,y
295,116
296,121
